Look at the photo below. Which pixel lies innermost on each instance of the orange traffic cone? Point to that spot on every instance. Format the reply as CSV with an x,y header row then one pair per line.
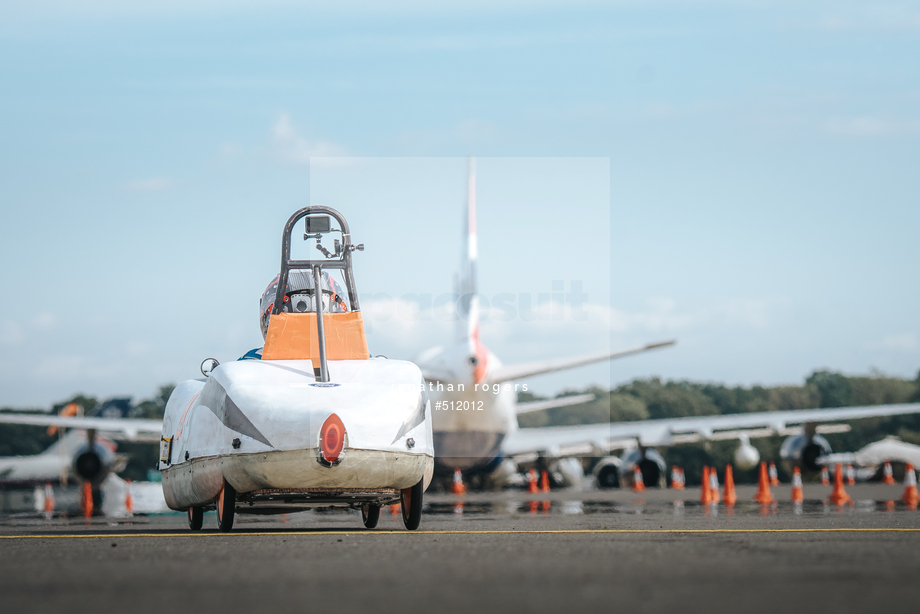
x,y
763,487
825,477
49,500
676,482
774,477
129,500
851,475
394,509
638,481
87,500
839,496
705,494
714,486
458,488
728,494
544,481
888,474
532,482
911,497
797,495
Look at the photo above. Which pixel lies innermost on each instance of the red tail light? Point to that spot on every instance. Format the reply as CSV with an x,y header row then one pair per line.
x,y
331,439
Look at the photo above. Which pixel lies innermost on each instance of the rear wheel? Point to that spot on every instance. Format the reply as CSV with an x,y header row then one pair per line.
x,y
370,514
195,517
226,506
411,499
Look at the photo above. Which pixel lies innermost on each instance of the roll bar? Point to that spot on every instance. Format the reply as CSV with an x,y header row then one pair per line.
x,y
340,259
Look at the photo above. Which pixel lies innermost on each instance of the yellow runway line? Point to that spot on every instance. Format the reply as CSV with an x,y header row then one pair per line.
x,y
548,532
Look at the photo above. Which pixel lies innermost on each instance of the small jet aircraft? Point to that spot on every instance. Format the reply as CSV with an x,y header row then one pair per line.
x,y
80,454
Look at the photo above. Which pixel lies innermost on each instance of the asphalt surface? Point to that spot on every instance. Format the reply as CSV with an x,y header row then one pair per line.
x,y
509,552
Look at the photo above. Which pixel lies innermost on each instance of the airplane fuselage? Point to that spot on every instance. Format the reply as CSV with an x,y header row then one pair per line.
x,y
470,417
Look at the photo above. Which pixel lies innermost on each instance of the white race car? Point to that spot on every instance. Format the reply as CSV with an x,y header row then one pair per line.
x,y
316,422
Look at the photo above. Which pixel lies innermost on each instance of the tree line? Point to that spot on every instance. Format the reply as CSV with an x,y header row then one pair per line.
x,y
652,398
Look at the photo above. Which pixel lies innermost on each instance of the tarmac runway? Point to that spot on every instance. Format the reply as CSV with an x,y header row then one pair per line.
x,y
510,552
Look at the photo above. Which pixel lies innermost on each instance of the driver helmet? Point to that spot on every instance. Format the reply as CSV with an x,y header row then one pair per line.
x,y
298,296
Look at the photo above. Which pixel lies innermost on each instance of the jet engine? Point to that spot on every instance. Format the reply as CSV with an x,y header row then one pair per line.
x,y
567,472
607,472
93,461
804,451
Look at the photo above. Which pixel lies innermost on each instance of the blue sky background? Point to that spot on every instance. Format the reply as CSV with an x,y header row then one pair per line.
x,y
753,166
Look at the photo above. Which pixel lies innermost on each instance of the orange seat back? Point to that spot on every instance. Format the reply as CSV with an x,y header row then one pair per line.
x,y
292,336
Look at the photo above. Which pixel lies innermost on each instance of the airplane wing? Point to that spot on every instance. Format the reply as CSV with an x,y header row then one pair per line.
x,y
510,372
523,408
129,429
602,438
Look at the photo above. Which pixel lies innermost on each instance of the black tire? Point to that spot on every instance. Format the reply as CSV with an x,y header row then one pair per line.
x,y
411,500
370,514
226,507
195,518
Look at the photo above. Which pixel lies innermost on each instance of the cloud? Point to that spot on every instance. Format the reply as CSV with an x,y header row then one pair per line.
x,y
869,126
871,18
156,184
468,132
403,326
136,349
901,343
11,333
14,333
289,146
659,110
61,368
748,312
229,151
520,319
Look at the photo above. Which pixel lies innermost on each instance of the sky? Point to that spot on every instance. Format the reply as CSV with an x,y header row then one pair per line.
x,y
739,176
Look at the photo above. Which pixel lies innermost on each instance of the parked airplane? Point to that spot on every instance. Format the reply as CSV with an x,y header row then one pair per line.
x,y
474,404
475,410
79,457
79,454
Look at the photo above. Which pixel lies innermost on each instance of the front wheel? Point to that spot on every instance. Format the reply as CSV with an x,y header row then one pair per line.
x,y
226,506
370,514
411,499
195,517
